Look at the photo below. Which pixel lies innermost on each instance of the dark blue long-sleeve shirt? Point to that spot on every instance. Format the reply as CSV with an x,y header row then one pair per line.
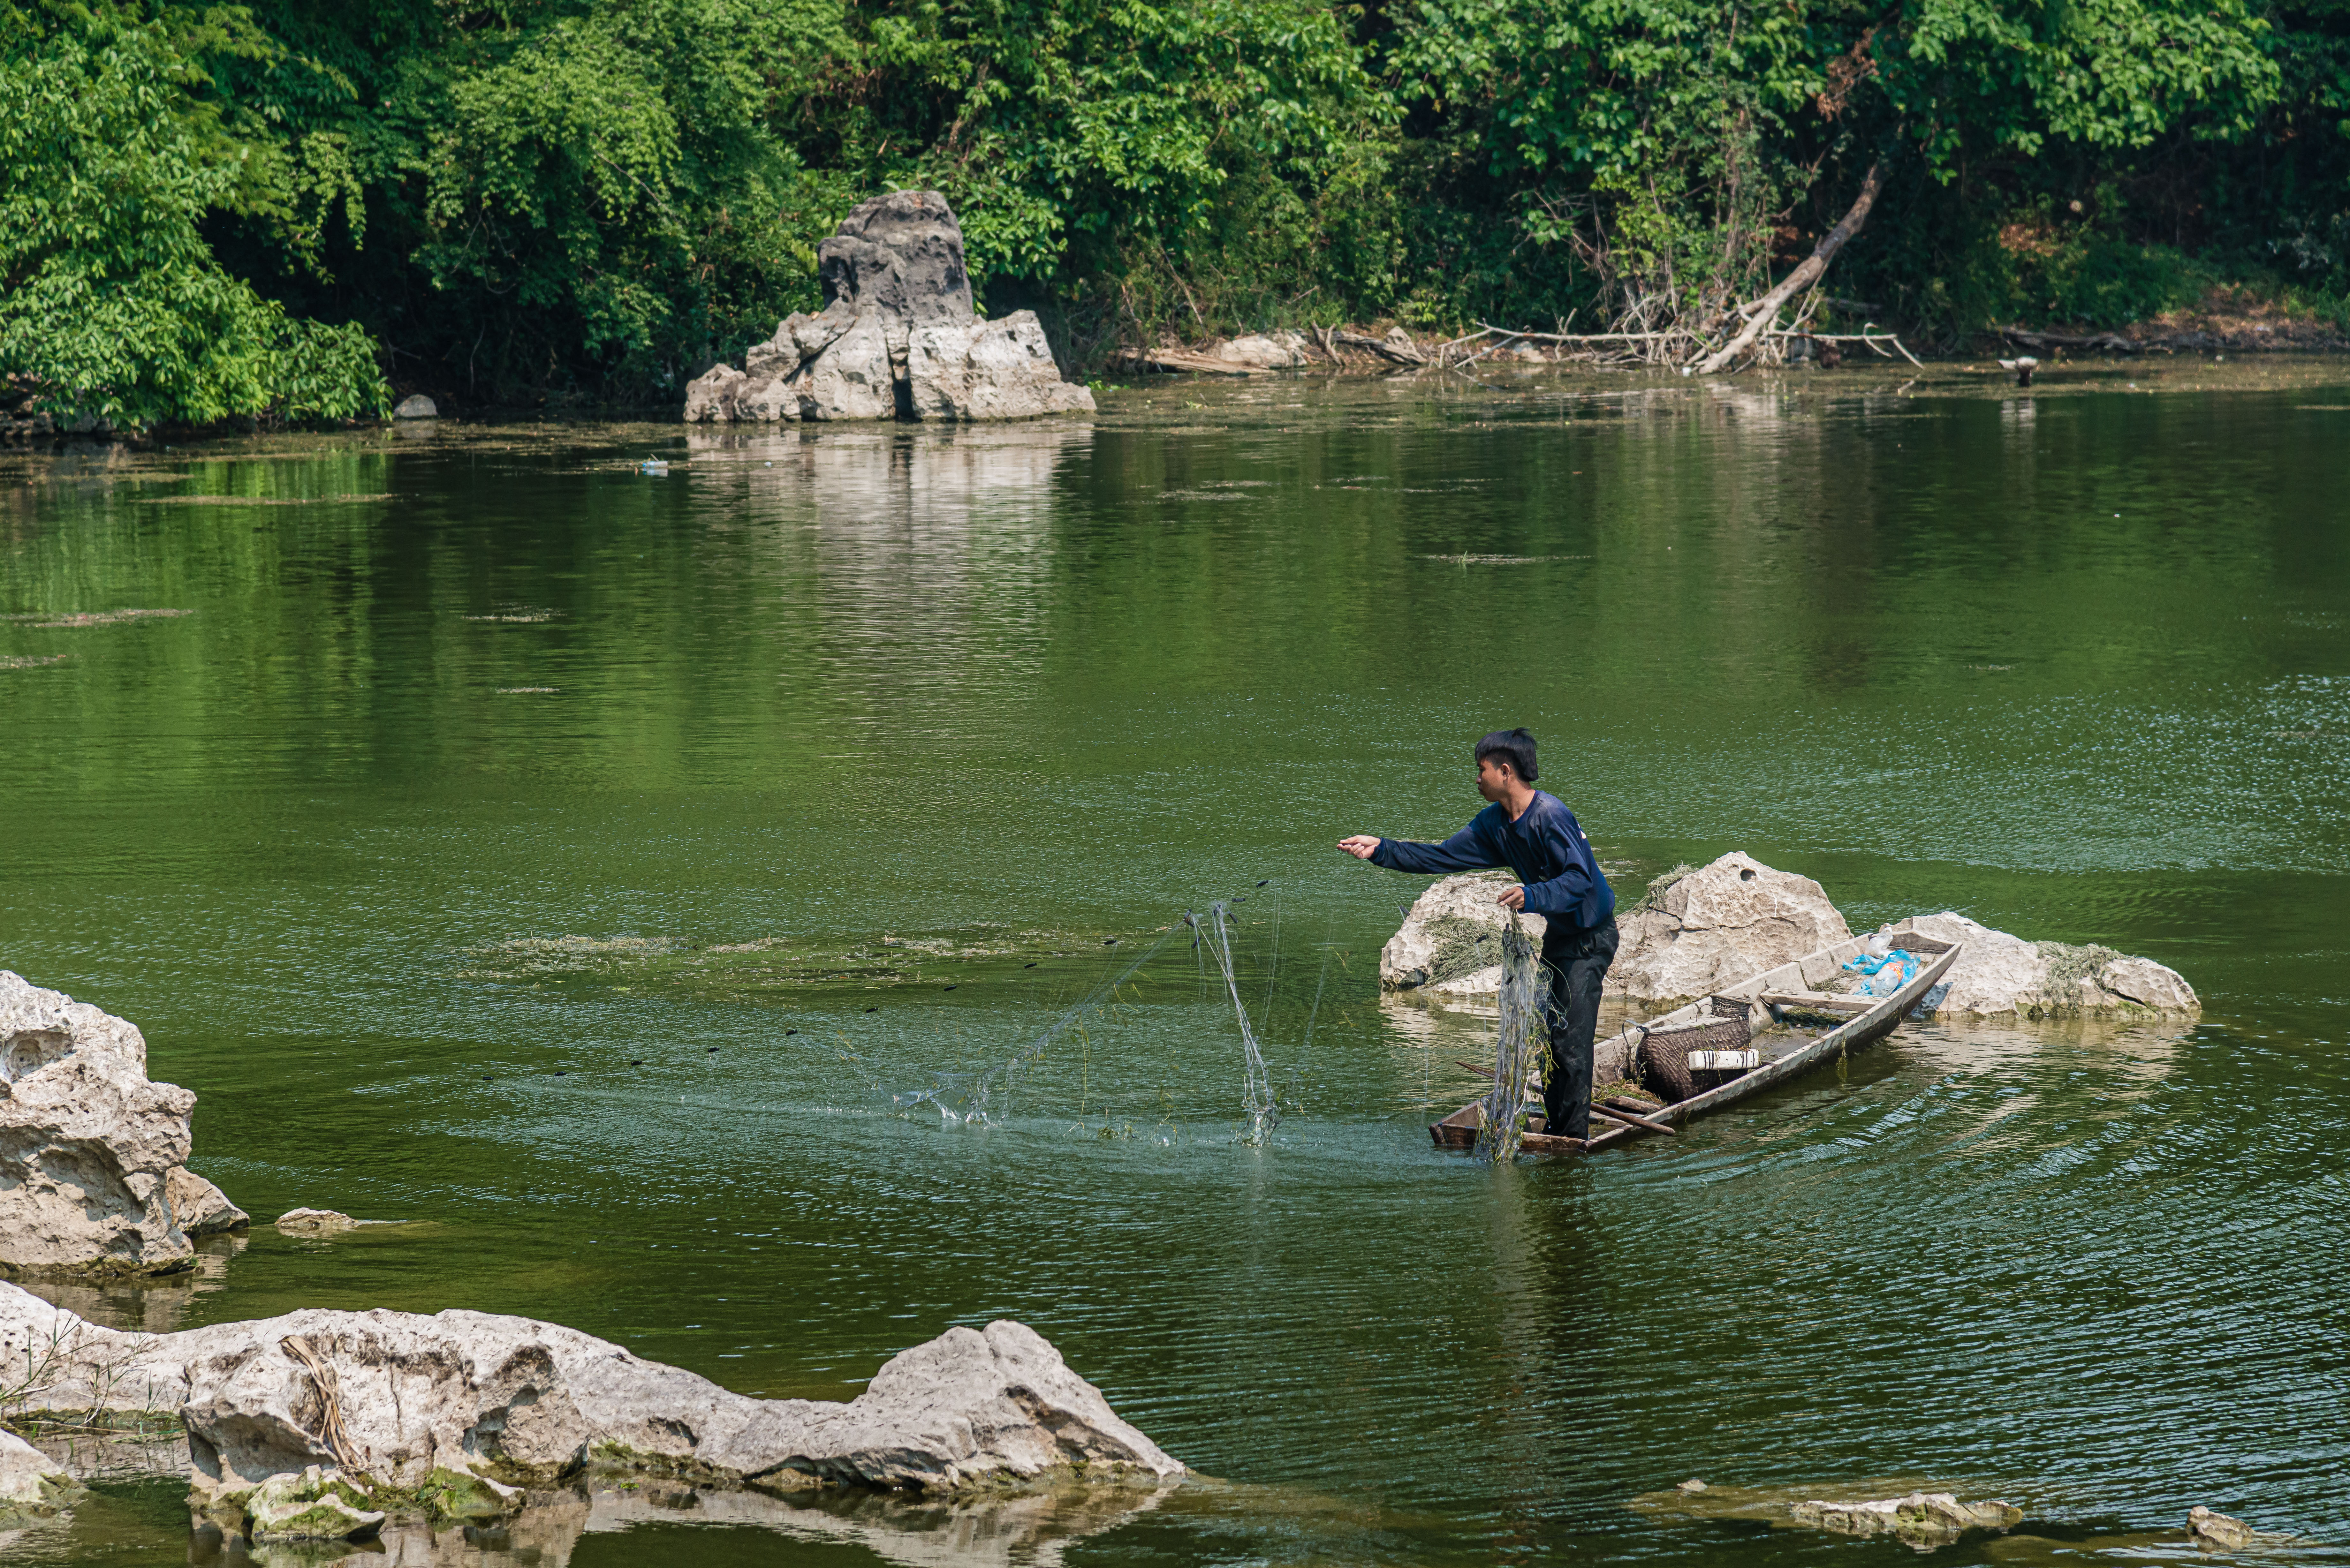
x,y
1545,846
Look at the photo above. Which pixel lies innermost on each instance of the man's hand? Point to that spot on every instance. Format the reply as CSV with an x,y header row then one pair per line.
x,y
1362,846
1512,898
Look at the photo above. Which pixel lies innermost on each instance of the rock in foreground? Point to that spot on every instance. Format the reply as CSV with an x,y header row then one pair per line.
x,y
899,340
2000,974
88,1146
1922,1516
451,1409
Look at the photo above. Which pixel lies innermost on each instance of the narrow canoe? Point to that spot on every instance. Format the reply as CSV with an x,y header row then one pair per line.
x,y
1801,986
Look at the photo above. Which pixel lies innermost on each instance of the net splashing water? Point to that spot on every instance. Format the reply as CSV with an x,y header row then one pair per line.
x,y
1518,1046
1260,1111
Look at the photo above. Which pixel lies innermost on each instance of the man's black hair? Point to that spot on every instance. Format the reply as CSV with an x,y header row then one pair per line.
x,y
1515,747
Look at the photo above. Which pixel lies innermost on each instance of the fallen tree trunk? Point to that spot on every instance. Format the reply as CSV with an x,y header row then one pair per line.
x,y
2111,342
1183,360
1766,310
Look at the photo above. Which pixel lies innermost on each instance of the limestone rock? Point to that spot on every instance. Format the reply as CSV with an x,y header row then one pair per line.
x,y
1451,940
313,1221
1716,926
2206,1528
87,1144
2000,974
1265,351
894,273
200,1207
1920,1516
988,371
854,378
712,396
31,1483
316,1505
395,1399
416,406
898,254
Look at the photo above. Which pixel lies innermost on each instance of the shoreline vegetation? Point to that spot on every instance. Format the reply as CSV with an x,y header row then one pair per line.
x,y
219,217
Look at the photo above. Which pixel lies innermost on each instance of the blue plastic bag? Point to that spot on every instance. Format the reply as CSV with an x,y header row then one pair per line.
x,y
1881,983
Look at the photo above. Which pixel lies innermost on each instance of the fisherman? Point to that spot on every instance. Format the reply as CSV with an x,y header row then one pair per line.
x,y
1532,833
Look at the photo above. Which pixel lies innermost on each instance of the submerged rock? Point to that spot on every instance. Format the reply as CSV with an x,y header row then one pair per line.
x,y
1920,1516
31,1483
443,1406
899,340
88,1146
314,1221
201,1209
316,1505
2001,974
2206,1528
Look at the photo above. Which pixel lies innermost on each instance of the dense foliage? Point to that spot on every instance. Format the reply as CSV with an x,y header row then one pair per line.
x,y
212,210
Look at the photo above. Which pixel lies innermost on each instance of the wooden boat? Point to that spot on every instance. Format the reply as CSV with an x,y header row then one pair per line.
x,y
1770,1011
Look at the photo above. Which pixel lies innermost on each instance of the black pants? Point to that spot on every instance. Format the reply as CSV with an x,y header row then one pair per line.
x,y
1576,964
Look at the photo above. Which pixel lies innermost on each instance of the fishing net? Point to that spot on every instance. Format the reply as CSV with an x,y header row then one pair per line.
x,y
1260,1109
1520,1046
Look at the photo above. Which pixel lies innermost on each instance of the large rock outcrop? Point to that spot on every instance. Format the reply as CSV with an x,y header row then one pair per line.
x,y
2001,974
899,338
1697,931
461,1407
31,1483
89,1150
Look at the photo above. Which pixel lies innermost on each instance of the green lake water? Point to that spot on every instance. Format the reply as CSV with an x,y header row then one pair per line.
x,y
505,841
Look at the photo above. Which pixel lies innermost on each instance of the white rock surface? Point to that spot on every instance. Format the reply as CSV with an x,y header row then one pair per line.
x,y
1920,1516
316,1505
311,1221
31,1483
898,338
1450,913
87,1144
1716,926
200,1207
416,406
2001,974
2208,1530
1266,351
390,1398
988,371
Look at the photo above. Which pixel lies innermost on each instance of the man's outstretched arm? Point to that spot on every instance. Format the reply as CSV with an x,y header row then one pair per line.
x,y
1465,851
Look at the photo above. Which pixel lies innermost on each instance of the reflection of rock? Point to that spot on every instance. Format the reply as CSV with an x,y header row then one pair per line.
x,y
2206,1528
201,1209
431,1401
899,338
1999,973
149,1303
87,1144
1695,932
31,1484
1920,1517
314,1221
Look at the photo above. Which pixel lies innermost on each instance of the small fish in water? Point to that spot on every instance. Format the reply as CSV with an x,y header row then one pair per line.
x,y
637,1061
952,987
789,1033
1261,884
1109,941
485,1077
872,1009
1027,966
560,1072
713,1050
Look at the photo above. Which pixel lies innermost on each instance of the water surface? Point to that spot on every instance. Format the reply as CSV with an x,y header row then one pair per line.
x,y
505,842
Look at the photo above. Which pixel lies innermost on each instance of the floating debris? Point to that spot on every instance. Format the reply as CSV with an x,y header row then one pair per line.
x,y
261,500
519,618
32,660
528,690
653,466
1920,1516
